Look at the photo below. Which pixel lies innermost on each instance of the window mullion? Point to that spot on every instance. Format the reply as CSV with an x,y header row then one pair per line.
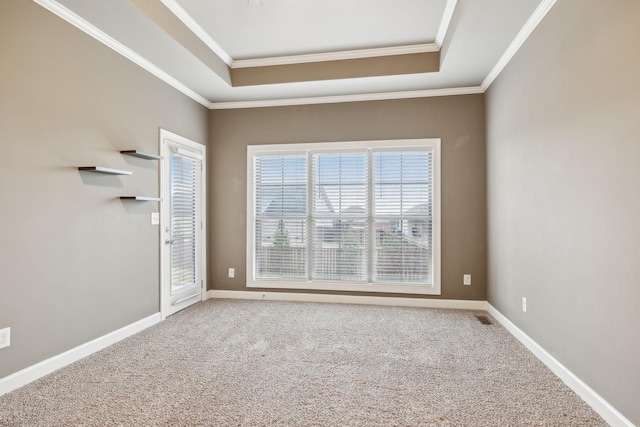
x,y
371,241
310,201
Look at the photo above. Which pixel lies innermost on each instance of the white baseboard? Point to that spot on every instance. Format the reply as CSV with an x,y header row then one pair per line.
x,y
593,399
350,299
54,363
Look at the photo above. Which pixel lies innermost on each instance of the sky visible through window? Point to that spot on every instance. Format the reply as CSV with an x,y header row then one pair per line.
x,y
402,183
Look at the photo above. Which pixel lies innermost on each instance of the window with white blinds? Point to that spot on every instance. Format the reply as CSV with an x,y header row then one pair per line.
x,y
280,216
402,216
340,194
354,216
185,186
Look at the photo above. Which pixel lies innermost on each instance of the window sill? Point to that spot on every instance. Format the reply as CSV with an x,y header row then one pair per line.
x,y
347,287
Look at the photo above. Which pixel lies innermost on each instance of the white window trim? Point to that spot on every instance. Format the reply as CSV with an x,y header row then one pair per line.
x,y
275,149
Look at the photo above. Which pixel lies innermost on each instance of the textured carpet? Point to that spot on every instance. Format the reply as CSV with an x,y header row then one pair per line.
x,y
259,363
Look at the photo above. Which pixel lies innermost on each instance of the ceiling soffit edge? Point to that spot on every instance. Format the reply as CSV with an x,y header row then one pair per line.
x,y
192,25
449,8
335,56
427,93
541,11
88,28
169,23
187,20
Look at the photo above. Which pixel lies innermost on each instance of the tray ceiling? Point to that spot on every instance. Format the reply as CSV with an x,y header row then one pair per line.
x,y
244,53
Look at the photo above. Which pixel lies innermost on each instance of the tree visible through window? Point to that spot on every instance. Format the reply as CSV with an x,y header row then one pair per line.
x,y
323,216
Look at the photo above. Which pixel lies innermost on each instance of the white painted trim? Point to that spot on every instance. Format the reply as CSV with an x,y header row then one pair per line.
x,y
611,415
54,363
428,93
190,154
432,145
80,23
447,15
350,299
335,56
436,226
69,16
336,286
196,29
600,405
593,399
265,149
163,172
541,11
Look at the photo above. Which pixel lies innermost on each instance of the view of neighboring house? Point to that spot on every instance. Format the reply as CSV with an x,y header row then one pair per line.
x,y
402,247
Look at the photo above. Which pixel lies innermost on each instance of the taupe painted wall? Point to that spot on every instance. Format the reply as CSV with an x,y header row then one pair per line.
x,y
426,62
563,149
75,262
458,121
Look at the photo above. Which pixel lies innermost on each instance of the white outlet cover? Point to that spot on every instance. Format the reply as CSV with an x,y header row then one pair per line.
x,y
155,218
524,304
5,337
466,279
232,273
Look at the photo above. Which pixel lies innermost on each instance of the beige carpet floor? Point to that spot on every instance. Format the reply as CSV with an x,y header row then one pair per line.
x,y
259,363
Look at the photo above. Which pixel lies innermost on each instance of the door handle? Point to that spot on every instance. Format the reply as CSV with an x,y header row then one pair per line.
x,y
169,242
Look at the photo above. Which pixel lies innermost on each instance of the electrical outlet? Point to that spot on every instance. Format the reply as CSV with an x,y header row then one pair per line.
x,y
5,337
524,304
466,279
232,273
155,218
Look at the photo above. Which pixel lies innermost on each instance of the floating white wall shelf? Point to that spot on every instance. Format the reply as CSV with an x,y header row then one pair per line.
x,y
141,154
141,198
108,171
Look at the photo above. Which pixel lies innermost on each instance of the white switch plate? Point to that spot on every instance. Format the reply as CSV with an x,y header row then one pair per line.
x,y
5,337
232,273
466,279
524,304
155,218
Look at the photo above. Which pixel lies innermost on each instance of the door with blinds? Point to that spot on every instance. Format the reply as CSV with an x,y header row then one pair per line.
x,y
182,225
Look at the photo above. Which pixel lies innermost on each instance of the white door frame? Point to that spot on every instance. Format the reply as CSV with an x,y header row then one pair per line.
x,y
164,216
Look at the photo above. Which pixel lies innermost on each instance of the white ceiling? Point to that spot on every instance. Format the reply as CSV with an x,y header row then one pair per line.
x,y
291,27
480,37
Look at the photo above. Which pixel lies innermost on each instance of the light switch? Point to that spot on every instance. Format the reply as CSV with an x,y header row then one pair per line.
x,y
155,218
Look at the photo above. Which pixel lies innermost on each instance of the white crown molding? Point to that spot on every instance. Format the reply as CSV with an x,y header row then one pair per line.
x,y
349,299
449,8
80,23
77,21
54,363
610,414
335,56
541,11
196,29
428,93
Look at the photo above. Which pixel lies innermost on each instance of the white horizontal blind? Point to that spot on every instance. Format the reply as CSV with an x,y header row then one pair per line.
x,y
340,216
185,186
354,216
280,216
403,216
